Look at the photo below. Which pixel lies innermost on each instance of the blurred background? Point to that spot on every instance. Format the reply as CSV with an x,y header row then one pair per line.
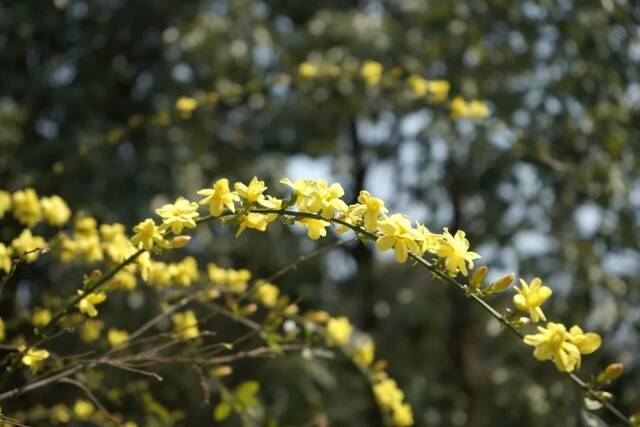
x,y
547,186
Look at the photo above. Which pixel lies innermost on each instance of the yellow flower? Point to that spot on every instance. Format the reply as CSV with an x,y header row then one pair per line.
x,y
301,187
253,192
26,242
253,220
364,353
436,90
316,228
41,317
158,274
307,70
90,247
455,252
387,393
418,85
237,280
186,325
266,293
90,330
83,409
33,358
370,208
217,275
60,414
143,262
338,331
403,415
5,203
85,226
218,197
431,242
123,280
117,336
185,272
371,72
398,234
554,343
2,330
317,195
179,215
55,210
350,216
474,110
88,304
327,198
146,234
586,343
5,258
530,297
271,202
439,89
186,105
26,207
117,245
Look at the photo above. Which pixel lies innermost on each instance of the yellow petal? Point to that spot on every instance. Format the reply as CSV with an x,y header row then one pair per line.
x,y
401,251
589,343
385,243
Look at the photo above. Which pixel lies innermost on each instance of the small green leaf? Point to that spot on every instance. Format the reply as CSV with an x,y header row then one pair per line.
x,y
245,393
222,411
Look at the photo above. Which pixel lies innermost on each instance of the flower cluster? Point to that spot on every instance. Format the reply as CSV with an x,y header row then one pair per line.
x,y
315,205
320,71
390,397
29,209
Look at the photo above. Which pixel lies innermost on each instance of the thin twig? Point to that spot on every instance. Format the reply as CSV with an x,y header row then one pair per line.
x,y
91,397
14,265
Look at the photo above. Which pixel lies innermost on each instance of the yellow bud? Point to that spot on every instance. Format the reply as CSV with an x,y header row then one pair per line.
x,y
180,241
95,275
380,366
604,396
478,276
249,309
611,372
502,283
221,371
213,293
291,310
320,316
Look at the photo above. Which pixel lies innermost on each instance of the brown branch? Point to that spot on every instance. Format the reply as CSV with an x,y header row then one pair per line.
x,y
40,383
91,397
14,265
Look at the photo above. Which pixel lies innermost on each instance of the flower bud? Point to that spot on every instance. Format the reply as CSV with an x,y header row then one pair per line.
x,y
502,283
319,316
291,310
212,293
249,309
221,371
478,276
93,277
605,396
180,241
611,372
